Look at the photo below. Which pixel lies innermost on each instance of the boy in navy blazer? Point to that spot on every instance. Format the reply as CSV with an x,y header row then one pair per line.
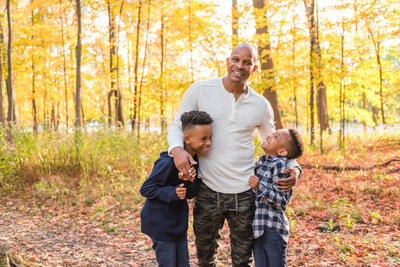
x,y
164,216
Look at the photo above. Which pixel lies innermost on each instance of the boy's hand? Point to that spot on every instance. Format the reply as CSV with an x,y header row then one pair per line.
x,y
183,162
181,191
286,184
253,182
192,173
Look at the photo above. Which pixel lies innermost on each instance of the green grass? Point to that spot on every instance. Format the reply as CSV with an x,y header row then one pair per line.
x,y
106,166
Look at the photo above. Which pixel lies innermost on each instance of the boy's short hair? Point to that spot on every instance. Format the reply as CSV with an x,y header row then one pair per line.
x,y
296,145
195,117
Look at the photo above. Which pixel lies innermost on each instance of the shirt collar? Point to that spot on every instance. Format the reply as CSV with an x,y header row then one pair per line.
x,y
270,159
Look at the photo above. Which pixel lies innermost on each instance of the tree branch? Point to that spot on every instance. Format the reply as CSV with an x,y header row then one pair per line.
x,y
350,168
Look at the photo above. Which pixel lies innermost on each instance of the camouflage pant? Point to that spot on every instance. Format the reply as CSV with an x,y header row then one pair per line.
x,y
210,211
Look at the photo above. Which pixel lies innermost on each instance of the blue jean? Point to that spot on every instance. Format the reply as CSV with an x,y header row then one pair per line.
x,y
269,250
172,254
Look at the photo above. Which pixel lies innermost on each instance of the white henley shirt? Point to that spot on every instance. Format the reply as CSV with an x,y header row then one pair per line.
x,y
230,160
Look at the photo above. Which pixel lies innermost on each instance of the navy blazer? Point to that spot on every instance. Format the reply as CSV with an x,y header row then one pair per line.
x,y
164,217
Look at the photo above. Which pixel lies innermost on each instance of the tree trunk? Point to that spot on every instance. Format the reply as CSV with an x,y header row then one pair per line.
x,y
53,119
114,90
294,75
64,67
381,89
78,122
375,115
44,78
342,95
2,113
190,43
118,108
128,46
83,117
113,54
34,109
162,89
147,125
12,114
58,116
377,46
136,75
311,105
364,106
235,24
316,67
109,105
144,66
118,105
267,64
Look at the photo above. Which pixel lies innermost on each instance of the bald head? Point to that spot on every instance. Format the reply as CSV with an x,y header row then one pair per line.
x,y
248,46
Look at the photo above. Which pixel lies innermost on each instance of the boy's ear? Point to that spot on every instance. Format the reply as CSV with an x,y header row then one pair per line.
x,y
186,138
282,152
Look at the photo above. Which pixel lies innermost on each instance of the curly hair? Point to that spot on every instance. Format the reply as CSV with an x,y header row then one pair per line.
x,y
296,144
195,117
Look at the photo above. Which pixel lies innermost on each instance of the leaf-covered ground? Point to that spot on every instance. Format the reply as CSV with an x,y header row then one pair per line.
x,y
364,204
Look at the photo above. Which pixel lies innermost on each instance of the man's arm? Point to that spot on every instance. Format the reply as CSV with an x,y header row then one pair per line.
x,y
267,126
294,172
182,159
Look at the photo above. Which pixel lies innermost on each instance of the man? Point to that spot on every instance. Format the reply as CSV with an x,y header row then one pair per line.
x,y
224,193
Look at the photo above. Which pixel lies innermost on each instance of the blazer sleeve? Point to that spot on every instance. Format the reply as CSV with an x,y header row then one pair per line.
x,y
154,187
191,188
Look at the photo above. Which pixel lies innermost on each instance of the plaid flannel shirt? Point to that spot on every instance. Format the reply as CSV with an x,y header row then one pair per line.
x,y
271,202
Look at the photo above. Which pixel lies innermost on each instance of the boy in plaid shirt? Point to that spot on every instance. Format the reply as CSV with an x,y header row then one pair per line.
x,y
270,225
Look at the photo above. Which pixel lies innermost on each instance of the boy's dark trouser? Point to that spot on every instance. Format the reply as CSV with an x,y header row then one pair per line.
x,y
172,254
210,211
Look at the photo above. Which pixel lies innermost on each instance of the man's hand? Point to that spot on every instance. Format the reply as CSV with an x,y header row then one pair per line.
x,y
183,162
253,182
287,184
181,191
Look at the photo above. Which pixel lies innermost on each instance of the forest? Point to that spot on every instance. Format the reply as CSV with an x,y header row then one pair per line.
x,y
88,88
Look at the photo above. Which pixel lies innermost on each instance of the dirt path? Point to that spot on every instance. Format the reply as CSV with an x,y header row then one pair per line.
x,y
47,236
55,238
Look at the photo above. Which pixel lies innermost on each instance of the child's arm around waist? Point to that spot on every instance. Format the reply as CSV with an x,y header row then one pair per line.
x,y
155,185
